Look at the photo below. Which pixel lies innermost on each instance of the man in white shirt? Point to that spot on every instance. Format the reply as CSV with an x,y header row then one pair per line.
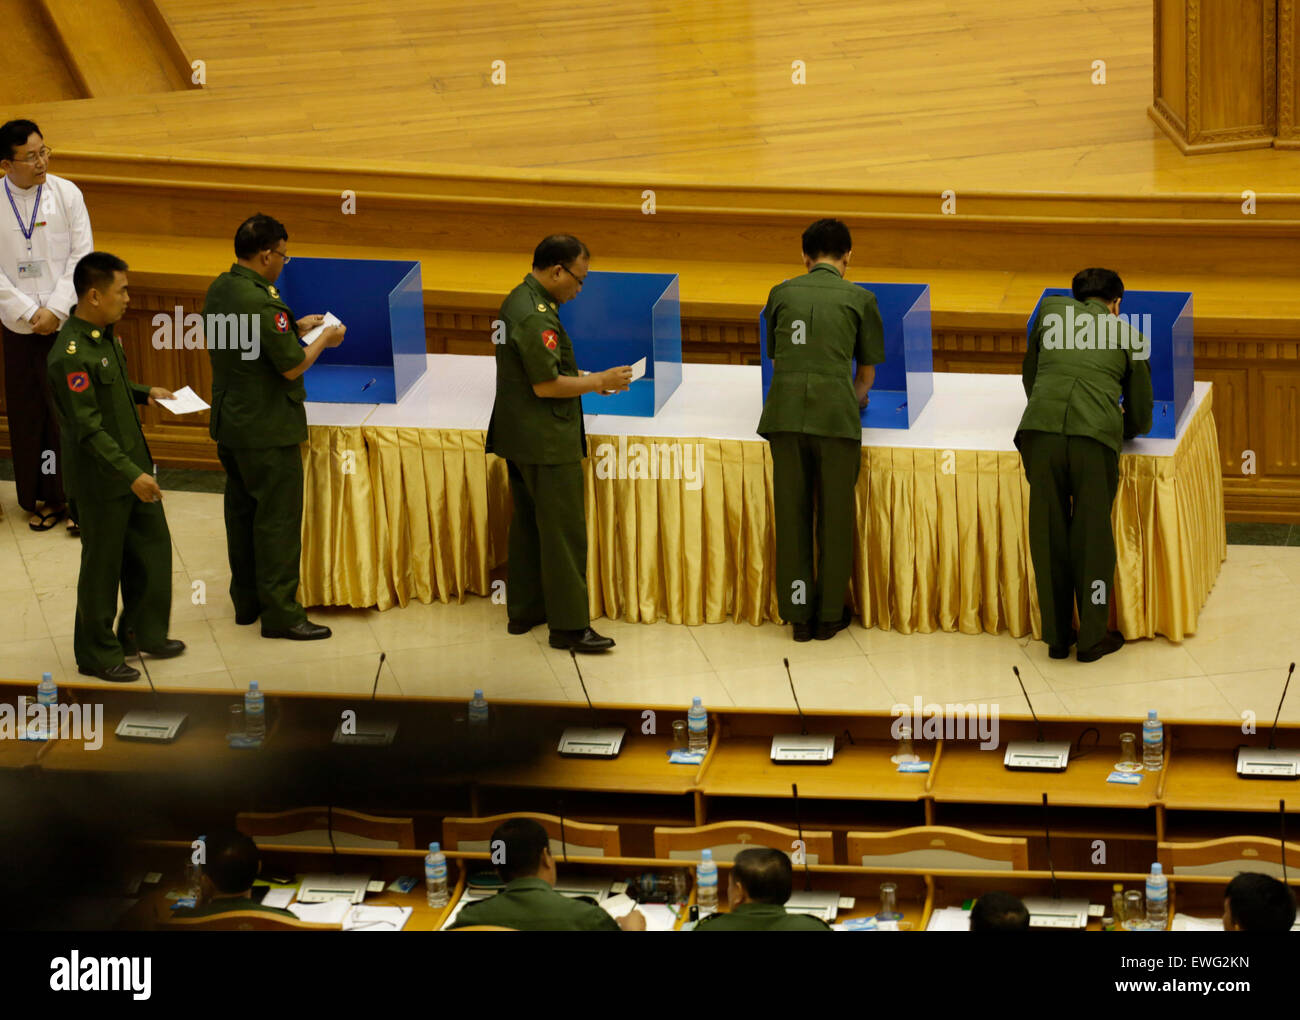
x,y
44,232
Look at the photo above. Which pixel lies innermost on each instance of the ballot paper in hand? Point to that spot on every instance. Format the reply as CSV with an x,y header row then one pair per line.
x,y
638,370
185,401
329,320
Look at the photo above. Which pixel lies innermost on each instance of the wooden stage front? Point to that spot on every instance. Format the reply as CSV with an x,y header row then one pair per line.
x,y
969,146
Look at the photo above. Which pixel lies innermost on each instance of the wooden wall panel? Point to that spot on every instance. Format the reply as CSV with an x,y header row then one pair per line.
x,y
1288,75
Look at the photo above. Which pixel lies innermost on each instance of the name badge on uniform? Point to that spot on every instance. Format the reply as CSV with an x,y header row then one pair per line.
x,y
31,269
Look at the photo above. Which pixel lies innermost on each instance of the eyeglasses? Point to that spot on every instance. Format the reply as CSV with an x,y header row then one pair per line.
x,y
580,279
287,258
45,153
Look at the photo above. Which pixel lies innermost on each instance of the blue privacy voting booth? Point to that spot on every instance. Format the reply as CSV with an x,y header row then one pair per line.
x,y
618,319
904,383
1169,343
381,303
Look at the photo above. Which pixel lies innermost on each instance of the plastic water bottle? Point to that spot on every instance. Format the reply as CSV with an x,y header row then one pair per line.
x,y
706,882
1153,743
478,710
1157,897
47,694
435,875
697,725
254,713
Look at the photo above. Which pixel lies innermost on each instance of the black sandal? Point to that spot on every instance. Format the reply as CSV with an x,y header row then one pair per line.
x,y
48,519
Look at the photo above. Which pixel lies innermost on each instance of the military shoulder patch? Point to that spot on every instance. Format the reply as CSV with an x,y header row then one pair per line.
x,y
78,381
282,322
551,339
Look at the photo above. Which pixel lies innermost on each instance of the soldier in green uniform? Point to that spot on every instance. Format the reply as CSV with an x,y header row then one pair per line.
x,y
259,422
817,326
1079,362
108,472
760,883
529,901
537,428
231,865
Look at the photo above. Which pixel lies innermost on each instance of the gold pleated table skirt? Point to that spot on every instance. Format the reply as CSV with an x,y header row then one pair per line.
x,y
397,514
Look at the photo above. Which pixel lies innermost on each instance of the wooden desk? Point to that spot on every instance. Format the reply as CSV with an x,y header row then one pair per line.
x,y
743,767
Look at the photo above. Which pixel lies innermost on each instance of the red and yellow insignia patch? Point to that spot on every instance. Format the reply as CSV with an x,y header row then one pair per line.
x,y
551,339
282,322
78,381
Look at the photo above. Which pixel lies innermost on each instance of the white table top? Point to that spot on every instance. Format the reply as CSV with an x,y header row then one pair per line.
x,y
966,412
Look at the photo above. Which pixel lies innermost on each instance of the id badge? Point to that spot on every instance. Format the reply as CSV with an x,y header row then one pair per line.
x,y
31,269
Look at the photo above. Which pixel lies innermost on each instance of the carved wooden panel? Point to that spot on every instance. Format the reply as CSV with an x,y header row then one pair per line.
x,y
1288,75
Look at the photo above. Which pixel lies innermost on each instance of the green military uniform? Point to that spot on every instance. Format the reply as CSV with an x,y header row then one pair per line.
x,y
543,441
530,904
813,423
761,917
123,541
1070,439
228,904
259,422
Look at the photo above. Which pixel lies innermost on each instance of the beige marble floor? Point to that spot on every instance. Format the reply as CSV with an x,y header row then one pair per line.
x,y
1236,662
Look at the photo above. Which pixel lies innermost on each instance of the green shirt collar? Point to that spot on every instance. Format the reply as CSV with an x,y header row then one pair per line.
x,y
752,909
87,328
531,884
542,293
1098,302
249,274
826,265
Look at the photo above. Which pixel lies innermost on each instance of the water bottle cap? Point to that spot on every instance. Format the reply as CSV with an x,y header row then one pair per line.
x,y
478,692
1157,868
252,685
47,676
434,847
1151,714
695,703
707,855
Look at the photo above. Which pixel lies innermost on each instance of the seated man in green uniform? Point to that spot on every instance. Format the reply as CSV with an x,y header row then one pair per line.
x,y
1079,363
537,428
108,475
760,884
529,901
228,873
817,326
1257,902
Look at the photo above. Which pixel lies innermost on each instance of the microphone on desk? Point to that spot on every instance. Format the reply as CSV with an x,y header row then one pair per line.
x,y
1041,755
1039,725
155,725
375,688
803,725
130,636
798,824
801,747
590,741
1047,832
1272,733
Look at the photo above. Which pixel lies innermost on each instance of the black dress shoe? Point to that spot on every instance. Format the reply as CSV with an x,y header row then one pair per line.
x,y
803,631
522,626
305,631
245,619
827,629
586,640
169,649
1063,651
1112,642
119,674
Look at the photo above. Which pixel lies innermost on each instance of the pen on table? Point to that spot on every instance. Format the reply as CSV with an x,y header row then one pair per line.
x,y
368,385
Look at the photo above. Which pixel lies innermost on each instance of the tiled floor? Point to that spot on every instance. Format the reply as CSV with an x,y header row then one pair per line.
x,y
1236,662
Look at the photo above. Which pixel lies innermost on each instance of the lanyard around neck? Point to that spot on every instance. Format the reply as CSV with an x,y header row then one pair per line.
x,y
36,208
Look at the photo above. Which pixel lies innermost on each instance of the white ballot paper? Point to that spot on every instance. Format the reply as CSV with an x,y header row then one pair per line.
x,y
186,402
312,334
638,370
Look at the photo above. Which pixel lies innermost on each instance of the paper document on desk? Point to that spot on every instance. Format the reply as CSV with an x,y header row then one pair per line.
x,y
638,370
186,402
1185,922
377,918
330,320
279,897
329,912
949,919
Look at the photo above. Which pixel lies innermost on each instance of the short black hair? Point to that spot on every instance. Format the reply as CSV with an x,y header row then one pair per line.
x,y
523,840
1260,903
95,271
827,237
1101,283
232,860
999,911
764,873
558,250
258,233
15,134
